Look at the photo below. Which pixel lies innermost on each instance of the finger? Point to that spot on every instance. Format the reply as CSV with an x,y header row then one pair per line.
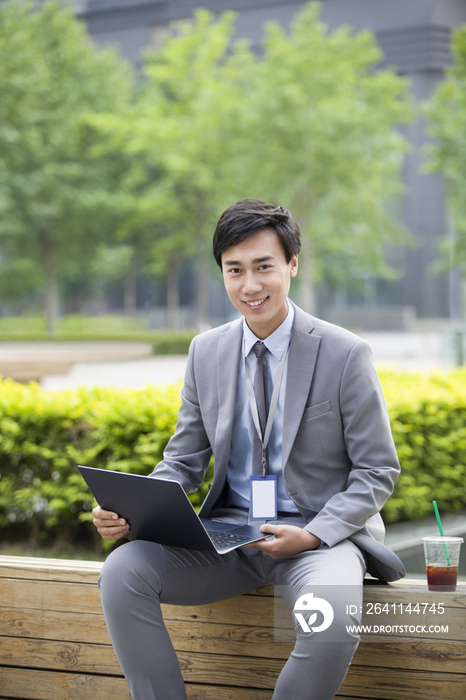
x,y
257,543
110,535
273,529
108,524
104,514
113,531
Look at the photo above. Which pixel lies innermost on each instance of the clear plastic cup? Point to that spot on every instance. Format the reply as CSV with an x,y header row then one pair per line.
x,y
442,558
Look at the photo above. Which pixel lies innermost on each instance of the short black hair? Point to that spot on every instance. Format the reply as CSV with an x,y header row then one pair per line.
x,y
249,216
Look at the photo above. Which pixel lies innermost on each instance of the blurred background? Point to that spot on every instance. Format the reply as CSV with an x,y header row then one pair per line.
x,y
340,111
128,126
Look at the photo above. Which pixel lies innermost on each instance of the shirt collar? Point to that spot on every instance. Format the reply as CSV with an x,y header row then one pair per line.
x,y
277,342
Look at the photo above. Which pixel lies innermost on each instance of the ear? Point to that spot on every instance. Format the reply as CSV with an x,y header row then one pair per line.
x,y
294,266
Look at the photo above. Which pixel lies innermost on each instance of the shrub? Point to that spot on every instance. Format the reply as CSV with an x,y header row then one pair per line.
x,y
428,420
44,435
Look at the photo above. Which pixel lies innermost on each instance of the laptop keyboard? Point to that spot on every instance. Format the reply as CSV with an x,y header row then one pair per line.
x,y
226,539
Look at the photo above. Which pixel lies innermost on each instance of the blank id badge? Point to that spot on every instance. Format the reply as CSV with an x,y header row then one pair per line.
x,y
263,501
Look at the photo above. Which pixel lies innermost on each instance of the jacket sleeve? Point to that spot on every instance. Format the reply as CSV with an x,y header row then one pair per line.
x,y
188,452
370,448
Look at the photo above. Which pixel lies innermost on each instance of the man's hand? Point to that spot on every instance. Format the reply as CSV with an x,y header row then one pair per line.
x,y
109,525
288,540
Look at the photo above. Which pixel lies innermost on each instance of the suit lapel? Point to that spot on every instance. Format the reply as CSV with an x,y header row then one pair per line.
x,y
228,357
302,358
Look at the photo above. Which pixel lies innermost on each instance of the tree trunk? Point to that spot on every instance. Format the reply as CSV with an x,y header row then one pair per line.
x,y
202,295
130,294
51,299
173,301
306,275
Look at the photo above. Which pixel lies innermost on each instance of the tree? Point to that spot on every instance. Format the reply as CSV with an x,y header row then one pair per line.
x,y
58,196
447,155
177,135
309,123
320,135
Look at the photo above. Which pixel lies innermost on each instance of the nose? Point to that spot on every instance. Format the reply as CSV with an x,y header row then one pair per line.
x,y
251,283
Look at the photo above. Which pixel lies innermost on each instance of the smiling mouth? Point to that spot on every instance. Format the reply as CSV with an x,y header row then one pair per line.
x,y
253,304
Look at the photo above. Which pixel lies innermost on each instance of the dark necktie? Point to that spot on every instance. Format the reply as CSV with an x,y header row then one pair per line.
x,y
261,394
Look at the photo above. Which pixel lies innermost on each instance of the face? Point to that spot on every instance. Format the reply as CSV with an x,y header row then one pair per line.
x,y
257,279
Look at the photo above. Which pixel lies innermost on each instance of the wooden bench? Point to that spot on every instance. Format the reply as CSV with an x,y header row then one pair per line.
x,y
54,644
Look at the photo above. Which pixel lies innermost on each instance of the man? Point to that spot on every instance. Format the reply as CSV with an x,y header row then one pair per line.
x,y
330,455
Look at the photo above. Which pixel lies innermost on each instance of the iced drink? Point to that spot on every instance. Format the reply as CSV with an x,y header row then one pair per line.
x,y
442,557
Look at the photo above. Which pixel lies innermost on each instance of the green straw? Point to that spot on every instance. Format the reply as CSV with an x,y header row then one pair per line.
x,y
437,515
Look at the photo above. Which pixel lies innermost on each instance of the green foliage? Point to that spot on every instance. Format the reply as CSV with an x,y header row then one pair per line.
x,y
173,343
319,134
308,123
447,156
99,180
44,435
58,200
428,419
93,328
178,137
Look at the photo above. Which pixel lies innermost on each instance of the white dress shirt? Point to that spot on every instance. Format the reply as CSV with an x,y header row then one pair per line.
x,y
240,462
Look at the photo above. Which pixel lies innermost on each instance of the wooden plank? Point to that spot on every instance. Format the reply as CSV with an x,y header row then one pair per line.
x,y
88,572
454,631
50,569
426,655
255,611
83,598
353,697
217,669
31,680
442,656
187,634
50,624
405,590
219,645
236,640
206,636
59,656
248,610
83,659
403,593
232,640
380,683
50,595
199,692
46,685
399,684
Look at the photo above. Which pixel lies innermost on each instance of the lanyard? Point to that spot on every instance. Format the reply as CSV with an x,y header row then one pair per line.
x,y
273,406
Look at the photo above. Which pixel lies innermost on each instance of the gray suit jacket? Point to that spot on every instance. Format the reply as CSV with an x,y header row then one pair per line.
x,y
339,460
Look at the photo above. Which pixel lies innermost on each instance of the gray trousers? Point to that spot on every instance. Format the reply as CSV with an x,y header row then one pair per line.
x,y
138,576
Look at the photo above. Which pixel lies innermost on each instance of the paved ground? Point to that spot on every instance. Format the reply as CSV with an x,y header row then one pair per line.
x,y
138,373
411,351
32,360
63,365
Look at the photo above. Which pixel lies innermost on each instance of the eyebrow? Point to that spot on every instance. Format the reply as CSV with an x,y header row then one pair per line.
x,y
256,261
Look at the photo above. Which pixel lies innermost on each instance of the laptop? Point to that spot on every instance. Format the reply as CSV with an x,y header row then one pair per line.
x,y
160,511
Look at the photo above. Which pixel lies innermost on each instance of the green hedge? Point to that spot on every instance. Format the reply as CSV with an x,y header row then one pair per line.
x,y
43,435
428,419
